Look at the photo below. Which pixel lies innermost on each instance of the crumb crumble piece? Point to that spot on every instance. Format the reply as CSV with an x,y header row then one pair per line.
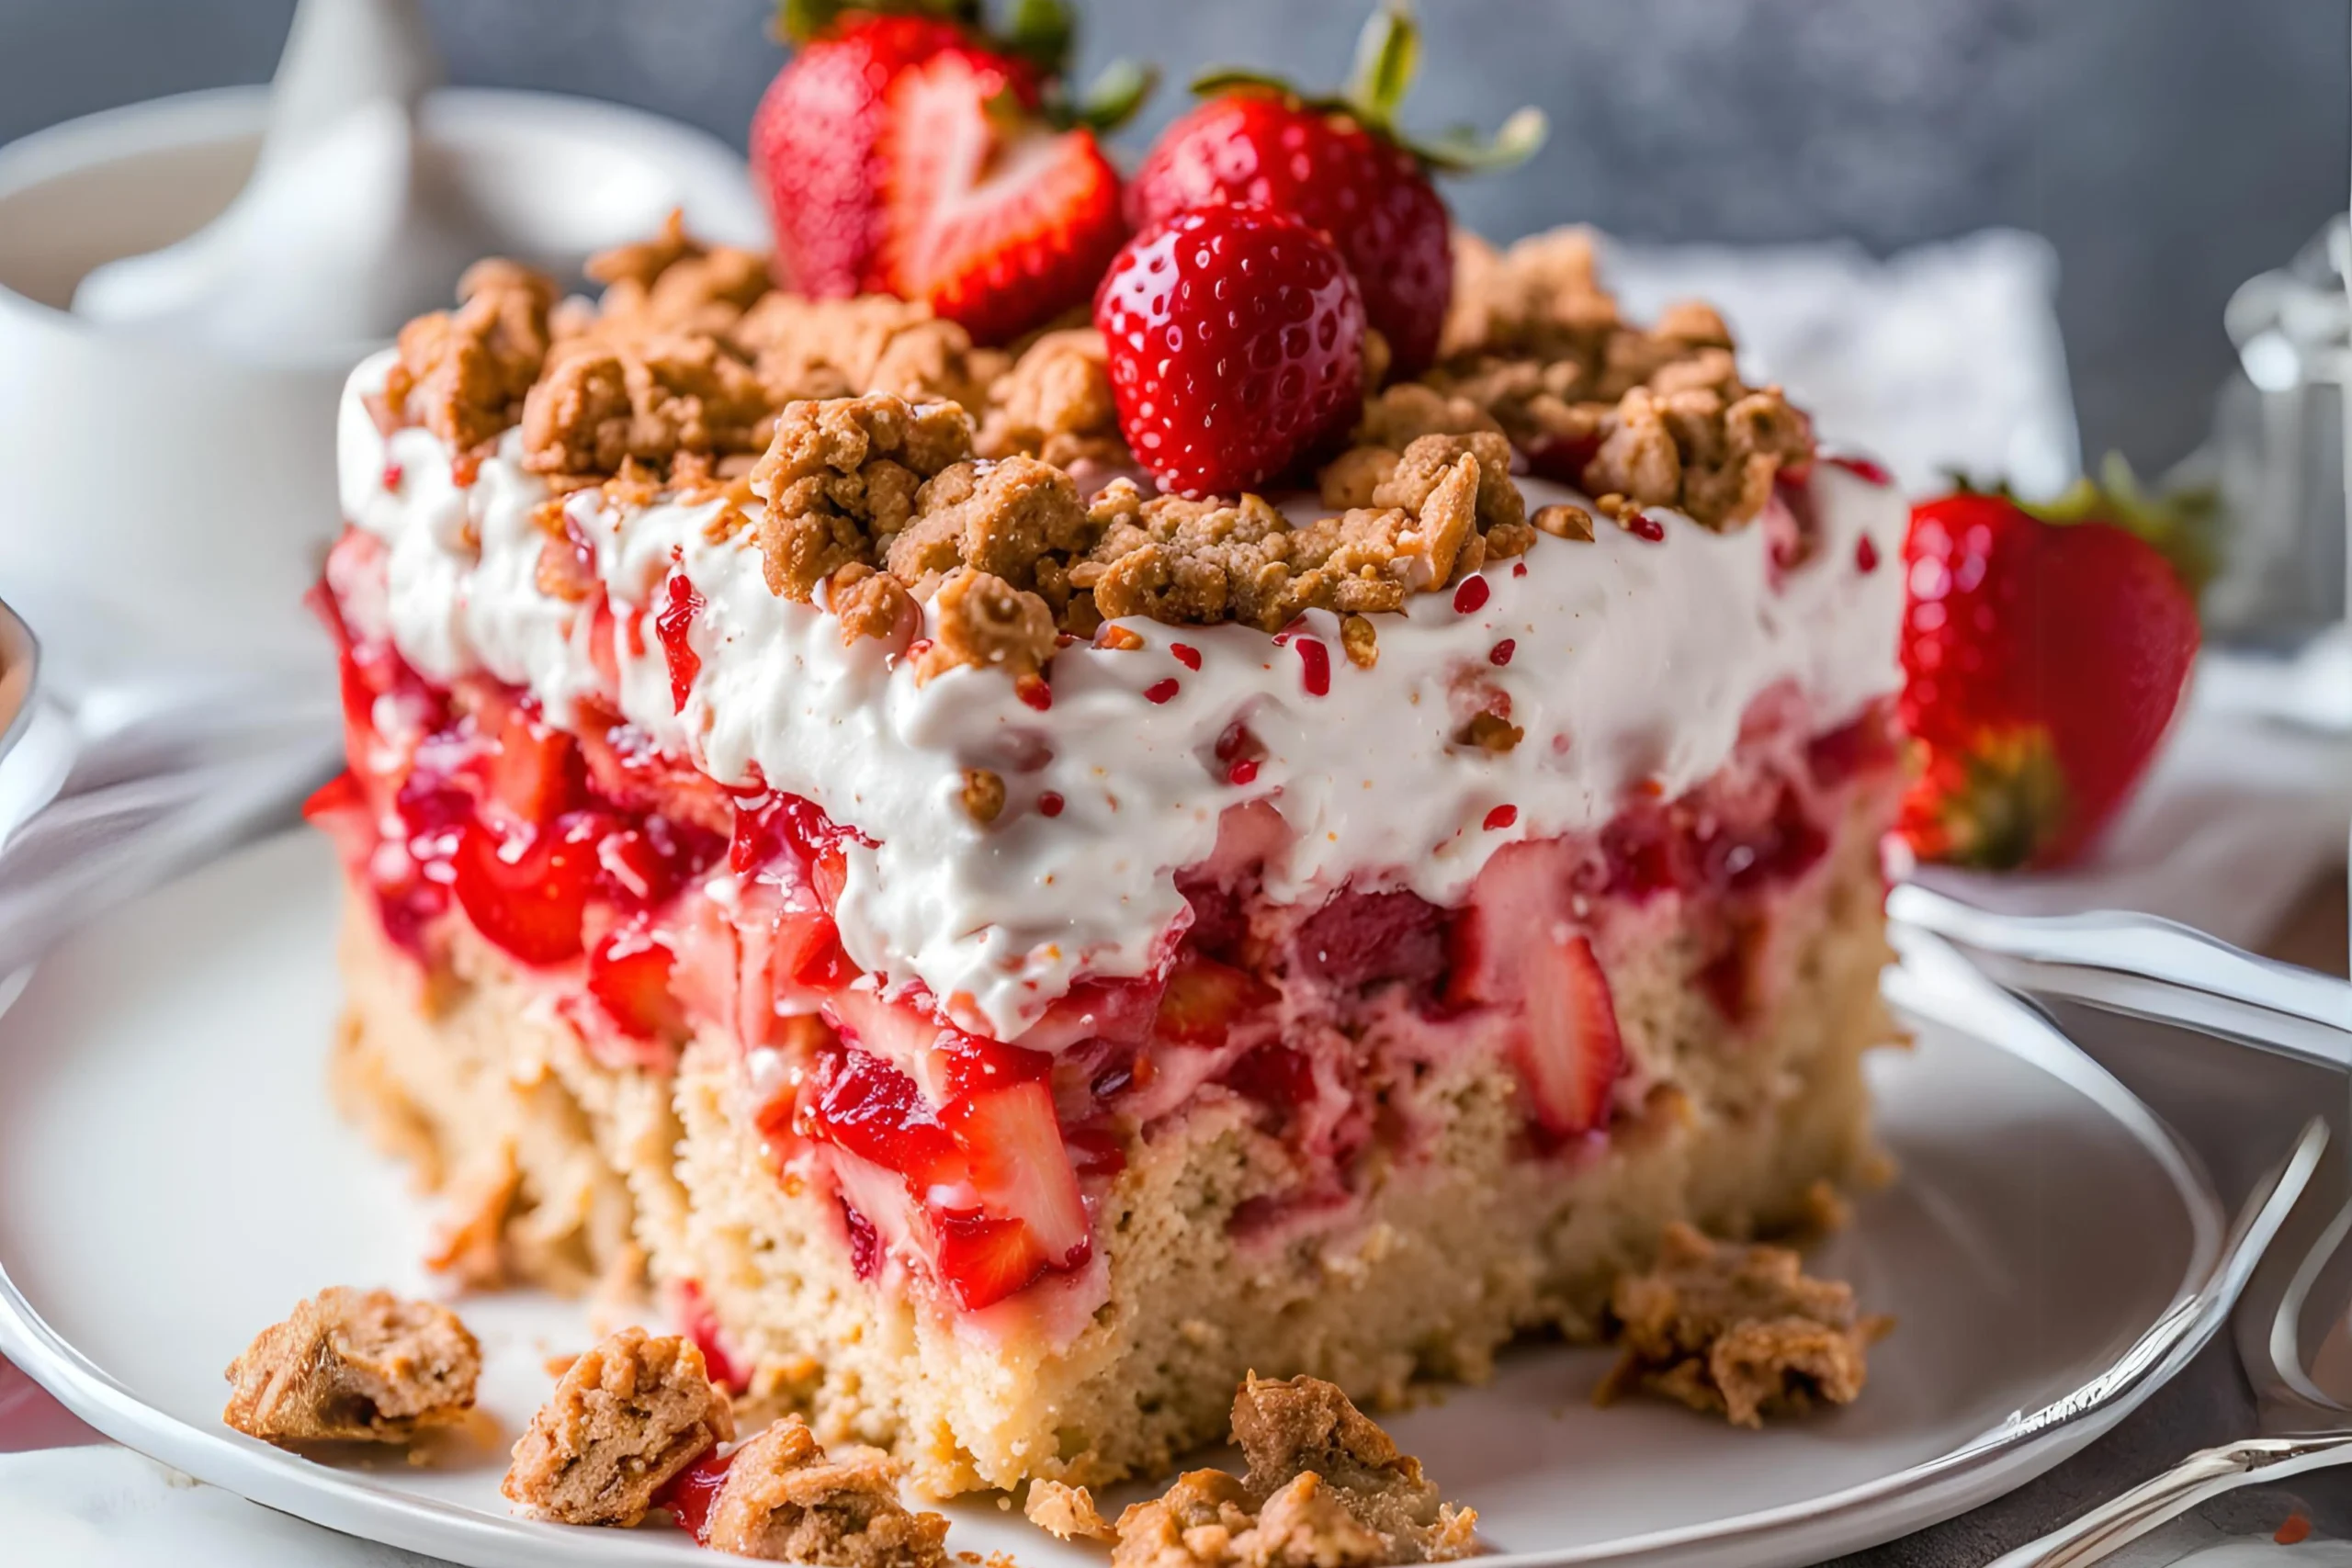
x,y
626,1416
1740,1331
840,482
1326,1488
784,1500
1066,1513
348,1365
465,374
1055,404
1659,415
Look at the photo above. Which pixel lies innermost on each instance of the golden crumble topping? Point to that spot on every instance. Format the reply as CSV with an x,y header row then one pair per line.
x,y
1660,416
1066,1513
1055,404
354,1366
624,1417
1741,1331
784,1500
1326,1488
884,464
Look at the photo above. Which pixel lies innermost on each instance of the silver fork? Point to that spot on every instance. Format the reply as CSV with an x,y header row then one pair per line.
x,y
2137,965
2304,1428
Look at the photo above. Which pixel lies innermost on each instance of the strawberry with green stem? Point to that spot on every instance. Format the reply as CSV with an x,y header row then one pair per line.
x,y
2045,650
1340,164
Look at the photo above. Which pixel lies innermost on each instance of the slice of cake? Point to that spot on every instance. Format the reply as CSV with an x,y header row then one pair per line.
x,y
1010,952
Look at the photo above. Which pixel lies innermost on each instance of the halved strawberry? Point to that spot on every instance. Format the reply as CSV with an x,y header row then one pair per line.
x,y
1204,998
629,973
528,892
988,216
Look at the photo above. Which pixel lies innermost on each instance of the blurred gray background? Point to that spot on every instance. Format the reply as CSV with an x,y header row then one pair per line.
x,y
2169,148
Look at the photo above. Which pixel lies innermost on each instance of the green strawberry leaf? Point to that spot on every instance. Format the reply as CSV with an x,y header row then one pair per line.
x,y
1040,32
1113,97
1219,80
1461,150
1388,51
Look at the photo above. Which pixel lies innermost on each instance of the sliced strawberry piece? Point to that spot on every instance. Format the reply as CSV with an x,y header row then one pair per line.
x,y
535,771
896,1031
965,1065
629,974
982,1260
699,1320
704,975
989,217
690,1495
528,893
1205,998
1569,1048
1118,1011
1013,1153
870,1107
1275,1076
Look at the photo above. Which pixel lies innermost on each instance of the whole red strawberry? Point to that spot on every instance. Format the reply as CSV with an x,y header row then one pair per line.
x,y
813,136
1236,341
1340,165
2042,663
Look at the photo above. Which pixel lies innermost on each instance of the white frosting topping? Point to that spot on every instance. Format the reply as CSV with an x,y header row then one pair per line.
x,y
1632,661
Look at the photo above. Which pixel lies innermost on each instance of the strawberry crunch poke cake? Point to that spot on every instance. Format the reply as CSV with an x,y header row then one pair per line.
x,y
1019,885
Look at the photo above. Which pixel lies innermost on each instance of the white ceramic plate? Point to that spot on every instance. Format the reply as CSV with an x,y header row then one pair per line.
x,y
171,1178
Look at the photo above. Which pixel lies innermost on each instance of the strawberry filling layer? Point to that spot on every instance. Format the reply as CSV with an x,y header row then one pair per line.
x,y
654,905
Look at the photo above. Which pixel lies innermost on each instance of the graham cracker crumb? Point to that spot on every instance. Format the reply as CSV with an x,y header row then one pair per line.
x,y
1115,638
786,1500
1562,520
1738,1330
871,603
1659,415
1490,732
356,1366
691,353
464,374
1326,1487
1055,404
626,1416
1361,640
840,480
985,621
983,795
1066,1513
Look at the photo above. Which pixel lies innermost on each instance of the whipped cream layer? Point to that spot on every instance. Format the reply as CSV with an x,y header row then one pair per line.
x,y
1631,664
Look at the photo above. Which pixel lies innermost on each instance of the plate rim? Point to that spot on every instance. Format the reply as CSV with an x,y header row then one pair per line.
x,y
1931,981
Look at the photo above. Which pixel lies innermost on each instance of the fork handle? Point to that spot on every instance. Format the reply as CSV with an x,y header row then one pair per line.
x,y
2205,1473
